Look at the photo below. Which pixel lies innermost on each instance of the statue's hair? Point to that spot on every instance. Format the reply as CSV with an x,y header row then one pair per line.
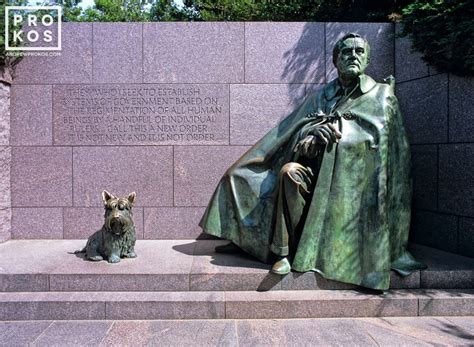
x,y
338,46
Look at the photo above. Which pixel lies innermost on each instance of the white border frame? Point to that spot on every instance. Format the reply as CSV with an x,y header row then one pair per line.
x,y
33,8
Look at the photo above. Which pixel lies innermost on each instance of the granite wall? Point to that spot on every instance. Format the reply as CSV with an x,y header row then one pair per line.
x,y
438,110
164,108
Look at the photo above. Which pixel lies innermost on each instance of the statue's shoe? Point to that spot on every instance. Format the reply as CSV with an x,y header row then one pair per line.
x,y
230,248
281,267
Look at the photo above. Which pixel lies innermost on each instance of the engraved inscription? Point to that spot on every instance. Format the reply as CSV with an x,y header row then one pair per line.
x,y
141,114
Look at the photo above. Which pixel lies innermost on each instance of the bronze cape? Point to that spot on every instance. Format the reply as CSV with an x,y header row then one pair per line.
x,y
356,225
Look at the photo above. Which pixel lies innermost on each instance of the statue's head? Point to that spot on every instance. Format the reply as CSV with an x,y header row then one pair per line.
x,y
351,55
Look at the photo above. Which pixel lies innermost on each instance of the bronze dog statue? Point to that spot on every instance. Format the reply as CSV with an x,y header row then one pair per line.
x,y
117,237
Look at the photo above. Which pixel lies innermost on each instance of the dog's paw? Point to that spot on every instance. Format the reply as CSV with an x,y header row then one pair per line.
x,y
114,259
96,258
131,255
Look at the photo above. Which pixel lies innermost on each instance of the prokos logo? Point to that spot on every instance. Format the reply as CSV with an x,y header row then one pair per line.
x,y
26,25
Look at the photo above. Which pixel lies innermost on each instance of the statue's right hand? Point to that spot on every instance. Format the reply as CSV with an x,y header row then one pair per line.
x,y
308,147
326,133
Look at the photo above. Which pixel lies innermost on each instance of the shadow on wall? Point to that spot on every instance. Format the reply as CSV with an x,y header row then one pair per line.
x,y
305,61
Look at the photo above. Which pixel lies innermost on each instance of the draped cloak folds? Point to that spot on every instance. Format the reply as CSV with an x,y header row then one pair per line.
x,y
357,222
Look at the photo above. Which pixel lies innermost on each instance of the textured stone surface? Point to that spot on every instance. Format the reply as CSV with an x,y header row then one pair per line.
x,y
445,270
198,169
284,52
41,176
456,174
311,281
141,114
434,230
164,305
122,170
214,271
89,333
189,265
318,303
117,53
24,282
416,331
172,333
74,65
302,332
4,114
57,306
424,160
380,37
5,193
174,223
461,118
82,222
37,223
160,265
5,172
21,333
408,63
5,224
412,281
193,52
424,105
31,115
256,108
466,237
446,303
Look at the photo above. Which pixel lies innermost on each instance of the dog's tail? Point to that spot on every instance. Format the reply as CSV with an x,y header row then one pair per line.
x,y
80,251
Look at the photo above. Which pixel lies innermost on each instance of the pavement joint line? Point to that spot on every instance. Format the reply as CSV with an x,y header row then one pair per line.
x,y
42,333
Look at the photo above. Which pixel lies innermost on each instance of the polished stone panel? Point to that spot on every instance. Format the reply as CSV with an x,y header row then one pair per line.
x,y
174,223
466,236
41,176
284,52
73,65
122,170
256,108
424,160
461,117
197,170
435,230
456,174
408,62
31,114
37,223
196,52
424,106
116,55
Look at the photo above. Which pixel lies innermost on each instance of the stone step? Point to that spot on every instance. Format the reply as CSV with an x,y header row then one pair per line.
x,y
189,265
233,305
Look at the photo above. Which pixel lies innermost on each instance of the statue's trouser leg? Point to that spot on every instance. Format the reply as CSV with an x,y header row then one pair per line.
x,y
294,182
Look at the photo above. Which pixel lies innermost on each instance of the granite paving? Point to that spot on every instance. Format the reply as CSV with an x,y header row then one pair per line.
x,y
399,331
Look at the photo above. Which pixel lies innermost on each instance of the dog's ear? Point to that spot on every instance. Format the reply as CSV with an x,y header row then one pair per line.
x,y
132,198
106,196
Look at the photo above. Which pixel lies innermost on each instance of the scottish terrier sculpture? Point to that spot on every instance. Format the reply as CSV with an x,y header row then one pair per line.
x,y
117,237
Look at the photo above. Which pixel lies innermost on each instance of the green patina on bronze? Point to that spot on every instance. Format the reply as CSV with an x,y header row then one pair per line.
x,y
354,214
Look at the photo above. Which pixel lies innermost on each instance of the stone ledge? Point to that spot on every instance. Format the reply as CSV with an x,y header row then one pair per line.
x,y
234,305
189,265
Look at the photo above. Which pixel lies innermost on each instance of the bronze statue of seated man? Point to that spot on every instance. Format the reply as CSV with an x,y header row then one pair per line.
x,y
329,188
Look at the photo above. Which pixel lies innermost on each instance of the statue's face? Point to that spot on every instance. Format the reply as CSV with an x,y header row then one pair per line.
x,y
353,58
